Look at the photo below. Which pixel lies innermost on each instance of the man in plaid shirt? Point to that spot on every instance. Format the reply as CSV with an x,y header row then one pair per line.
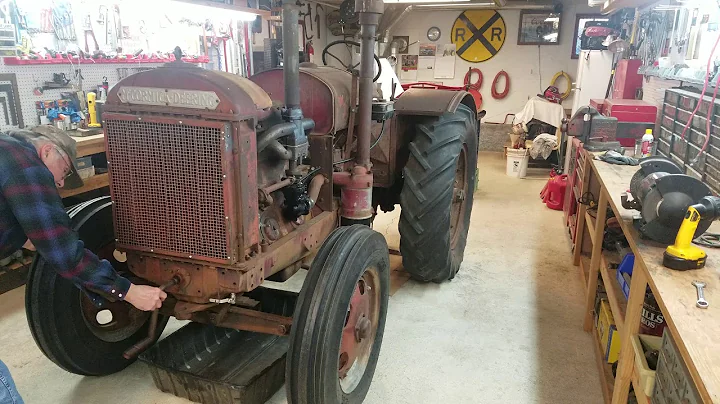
x,y
33,164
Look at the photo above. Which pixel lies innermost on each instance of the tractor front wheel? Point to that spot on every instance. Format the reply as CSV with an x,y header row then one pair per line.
x,y
67,327
339,319
437,195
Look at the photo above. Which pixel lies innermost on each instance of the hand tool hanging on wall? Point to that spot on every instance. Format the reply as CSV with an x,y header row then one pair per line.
x,y
59,81
102,15
118,27
87,27
303,23
62,21
309,14
110,38
318,7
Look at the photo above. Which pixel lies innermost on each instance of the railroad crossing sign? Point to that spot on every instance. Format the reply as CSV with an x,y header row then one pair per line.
x,y
478,34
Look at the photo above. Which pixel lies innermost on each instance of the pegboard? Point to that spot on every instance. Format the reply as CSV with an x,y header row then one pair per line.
x,y
29,77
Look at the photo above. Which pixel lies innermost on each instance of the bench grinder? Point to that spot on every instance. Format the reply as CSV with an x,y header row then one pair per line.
x,y
662,193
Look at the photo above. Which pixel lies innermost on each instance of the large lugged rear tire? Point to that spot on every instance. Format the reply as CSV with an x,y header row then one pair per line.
x,y
437,195
339,319
66,326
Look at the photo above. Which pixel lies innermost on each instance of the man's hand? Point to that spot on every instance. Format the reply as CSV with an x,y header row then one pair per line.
x,y
145,298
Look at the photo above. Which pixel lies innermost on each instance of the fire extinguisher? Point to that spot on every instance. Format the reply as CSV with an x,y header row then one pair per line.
x,y
309,51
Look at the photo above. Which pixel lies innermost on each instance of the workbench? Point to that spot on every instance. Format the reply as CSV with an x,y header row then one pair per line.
x,y
696,331
86,146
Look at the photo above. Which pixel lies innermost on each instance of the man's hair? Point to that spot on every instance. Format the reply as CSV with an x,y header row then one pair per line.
x,y
35,139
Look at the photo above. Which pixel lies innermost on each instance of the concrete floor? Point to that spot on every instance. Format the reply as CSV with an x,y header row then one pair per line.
x,y
507,329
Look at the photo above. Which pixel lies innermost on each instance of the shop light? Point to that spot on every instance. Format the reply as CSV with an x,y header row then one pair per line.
x,y
213,10
431,1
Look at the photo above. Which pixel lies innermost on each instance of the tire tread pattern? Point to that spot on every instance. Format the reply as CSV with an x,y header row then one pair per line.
x,y
427,193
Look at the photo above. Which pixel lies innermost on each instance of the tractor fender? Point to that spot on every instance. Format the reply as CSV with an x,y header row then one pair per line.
x,y
432,102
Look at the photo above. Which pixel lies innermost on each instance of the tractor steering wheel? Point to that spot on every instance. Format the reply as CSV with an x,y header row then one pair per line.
x,y
350,67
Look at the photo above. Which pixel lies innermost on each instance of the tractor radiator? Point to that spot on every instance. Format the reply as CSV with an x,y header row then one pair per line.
x,y
167,188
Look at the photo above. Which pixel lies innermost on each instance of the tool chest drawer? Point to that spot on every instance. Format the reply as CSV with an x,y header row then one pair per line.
x,y
696,137
664,147
668,122
693,173
693,152
672,98
665,134
679,147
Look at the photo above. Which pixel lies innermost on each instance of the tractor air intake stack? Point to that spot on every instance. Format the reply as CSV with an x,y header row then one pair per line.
x,y
370,12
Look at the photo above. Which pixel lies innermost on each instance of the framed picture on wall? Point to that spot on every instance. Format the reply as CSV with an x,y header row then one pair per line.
x,y
580,22
539,28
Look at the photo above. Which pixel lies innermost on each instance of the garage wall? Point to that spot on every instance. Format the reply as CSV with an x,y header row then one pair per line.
x,y
525,64
318,43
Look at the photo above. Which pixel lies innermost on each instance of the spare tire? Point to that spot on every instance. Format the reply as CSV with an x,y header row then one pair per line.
x,y
67,327
437,195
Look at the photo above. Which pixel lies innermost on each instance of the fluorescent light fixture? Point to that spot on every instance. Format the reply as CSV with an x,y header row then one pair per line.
x,y
212,10
459,3
430,1
552,19
667,8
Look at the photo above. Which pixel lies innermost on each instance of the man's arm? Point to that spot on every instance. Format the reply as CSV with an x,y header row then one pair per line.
x,y
34,200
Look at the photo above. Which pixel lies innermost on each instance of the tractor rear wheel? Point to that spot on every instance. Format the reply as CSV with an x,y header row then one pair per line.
x,y
339,319
437,195
67,327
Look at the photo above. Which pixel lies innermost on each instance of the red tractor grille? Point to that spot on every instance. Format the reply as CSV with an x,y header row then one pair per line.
x,y
167,187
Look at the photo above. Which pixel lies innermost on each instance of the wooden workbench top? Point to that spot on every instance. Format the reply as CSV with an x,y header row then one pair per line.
x,y
87,145
695,331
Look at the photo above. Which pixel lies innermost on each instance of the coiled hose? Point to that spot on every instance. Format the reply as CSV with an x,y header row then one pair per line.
x,y
468,76
504,93
569,83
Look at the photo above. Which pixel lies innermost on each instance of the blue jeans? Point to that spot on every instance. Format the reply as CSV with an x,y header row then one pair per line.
x,y
8,392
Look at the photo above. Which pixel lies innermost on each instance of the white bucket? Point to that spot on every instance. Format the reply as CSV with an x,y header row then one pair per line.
x,y
517,162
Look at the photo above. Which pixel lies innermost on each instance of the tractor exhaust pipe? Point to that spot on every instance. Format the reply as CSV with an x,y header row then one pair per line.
x,y
291,57
297,143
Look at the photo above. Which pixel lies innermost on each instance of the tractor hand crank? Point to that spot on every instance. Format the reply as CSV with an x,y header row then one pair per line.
x,y
144,343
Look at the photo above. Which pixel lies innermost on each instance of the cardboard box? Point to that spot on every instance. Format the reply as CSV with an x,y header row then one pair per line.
x,y
83,162
607,331
86,172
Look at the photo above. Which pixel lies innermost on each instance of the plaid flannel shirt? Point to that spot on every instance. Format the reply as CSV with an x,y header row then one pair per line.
x,y
31,208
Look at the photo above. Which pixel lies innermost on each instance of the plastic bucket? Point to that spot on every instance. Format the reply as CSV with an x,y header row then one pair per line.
x,y
517,163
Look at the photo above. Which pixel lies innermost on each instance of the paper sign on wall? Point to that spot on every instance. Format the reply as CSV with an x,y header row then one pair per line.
x,y
445,62
426,68
428,49
408,67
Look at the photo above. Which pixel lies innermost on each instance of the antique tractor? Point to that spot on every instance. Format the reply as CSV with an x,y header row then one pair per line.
x,y
217,185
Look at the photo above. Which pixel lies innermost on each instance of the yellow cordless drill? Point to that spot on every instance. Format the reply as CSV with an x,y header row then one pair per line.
x,y
683,255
